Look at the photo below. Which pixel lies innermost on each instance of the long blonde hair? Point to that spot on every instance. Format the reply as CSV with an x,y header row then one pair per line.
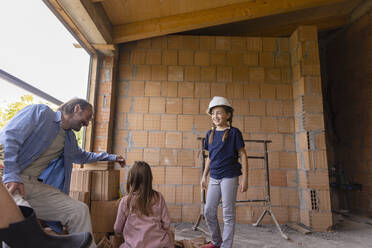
x,y
229,123
139,188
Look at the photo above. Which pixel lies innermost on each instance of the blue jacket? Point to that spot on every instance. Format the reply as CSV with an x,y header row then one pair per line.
x,y
30,132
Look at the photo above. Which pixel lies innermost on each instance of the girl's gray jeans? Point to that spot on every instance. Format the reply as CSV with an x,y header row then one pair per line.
x,y
227,189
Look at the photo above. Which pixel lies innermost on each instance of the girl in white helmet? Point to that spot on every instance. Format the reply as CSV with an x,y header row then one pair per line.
x,y
225,145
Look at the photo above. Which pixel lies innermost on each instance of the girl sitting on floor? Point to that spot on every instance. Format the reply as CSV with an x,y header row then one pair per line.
x,y
142,216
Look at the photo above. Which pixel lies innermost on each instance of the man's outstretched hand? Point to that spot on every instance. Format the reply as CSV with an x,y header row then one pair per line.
x,y
120,160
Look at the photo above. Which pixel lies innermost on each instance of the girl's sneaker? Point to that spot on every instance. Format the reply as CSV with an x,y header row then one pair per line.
x,y
210,245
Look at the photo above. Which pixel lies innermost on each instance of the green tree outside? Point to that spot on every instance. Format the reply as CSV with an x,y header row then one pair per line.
x,y
7,113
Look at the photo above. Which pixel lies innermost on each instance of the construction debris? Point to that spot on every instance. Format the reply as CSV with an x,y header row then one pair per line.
x,y
193,243
104,243
299,228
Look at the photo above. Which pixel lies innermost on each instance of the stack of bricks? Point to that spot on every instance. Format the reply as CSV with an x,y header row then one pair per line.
x,y
165,85
315,209
348,63
99,189
80,185
104,195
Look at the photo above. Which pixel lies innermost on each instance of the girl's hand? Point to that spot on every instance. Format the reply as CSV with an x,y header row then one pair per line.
x,y
244,185
203,183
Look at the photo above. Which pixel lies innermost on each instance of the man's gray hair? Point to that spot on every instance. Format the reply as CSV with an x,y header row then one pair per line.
x,y
68,107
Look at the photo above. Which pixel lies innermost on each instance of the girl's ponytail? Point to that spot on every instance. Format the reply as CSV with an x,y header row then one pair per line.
x,y
210,141
227,131
229,122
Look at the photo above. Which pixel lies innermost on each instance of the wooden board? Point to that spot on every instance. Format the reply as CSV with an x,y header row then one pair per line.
x,y
325,18
129,11
211,17
100,19
299,228
61,14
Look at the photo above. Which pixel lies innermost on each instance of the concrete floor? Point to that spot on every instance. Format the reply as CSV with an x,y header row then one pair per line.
x,y
350,231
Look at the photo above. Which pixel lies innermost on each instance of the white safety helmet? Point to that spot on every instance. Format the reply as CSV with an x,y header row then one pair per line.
x,y
218,101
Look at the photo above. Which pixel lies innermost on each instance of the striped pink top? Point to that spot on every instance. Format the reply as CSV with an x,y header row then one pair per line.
x,y
145,231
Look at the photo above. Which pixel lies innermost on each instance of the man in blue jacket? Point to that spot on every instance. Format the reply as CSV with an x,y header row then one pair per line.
x,y
33,139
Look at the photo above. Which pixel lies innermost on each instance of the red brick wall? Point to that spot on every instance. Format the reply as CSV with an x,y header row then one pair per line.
x,y
315,210
349,73
165,85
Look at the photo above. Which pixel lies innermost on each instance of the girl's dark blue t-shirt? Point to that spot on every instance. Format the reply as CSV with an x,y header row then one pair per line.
x,y
224,155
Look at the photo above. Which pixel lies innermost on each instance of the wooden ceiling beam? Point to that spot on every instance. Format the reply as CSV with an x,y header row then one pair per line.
x,y
108,47
61,14
325,18
211,17
362,9
98,15
285,30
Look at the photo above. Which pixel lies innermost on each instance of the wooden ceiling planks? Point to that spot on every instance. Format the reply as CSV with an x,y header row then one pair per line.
x,y
129,11
120,21
211,17
325,17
